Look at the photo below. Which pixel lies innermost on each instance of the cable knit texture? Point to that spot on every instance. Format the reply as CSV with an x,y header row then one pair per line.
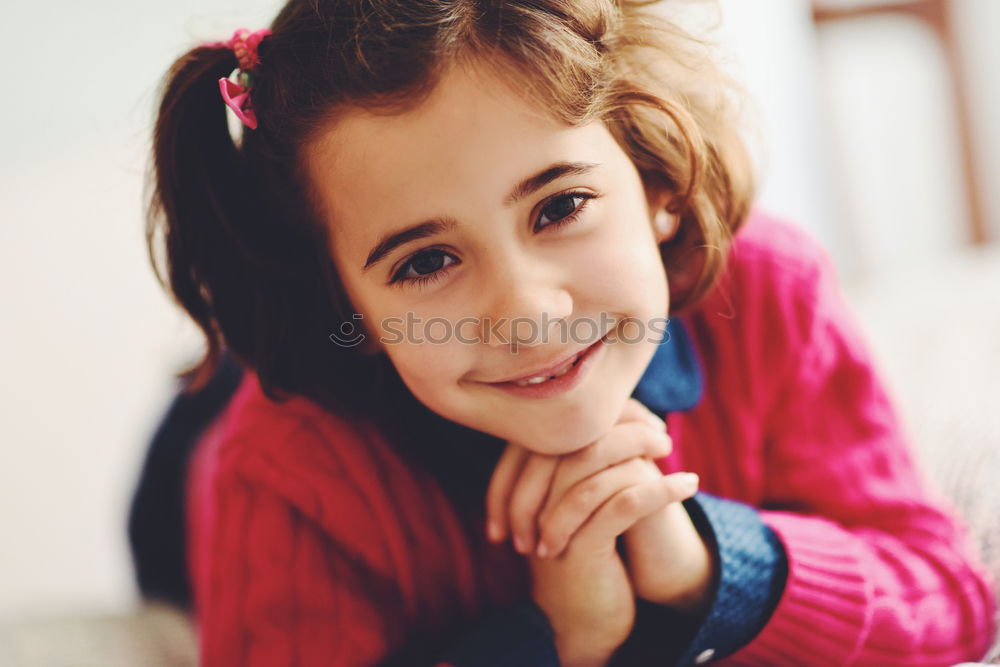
x,y
304,524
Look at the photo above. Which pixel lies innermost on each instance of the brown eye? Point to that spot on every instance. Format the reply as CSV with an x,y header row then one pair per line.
x,y
561,209
427,262
423,266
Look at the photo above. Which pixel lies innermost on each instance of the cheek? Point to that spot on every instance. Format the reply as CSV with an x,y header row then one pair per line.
x,y
431,371
623,264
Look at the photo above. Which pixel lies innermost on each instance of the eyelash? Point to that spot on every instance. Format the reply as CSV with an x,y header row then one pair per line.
x,y
429,278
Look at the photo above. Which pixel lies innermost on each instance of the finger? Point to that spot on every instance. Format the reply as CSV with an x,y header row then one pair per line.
x,y
621,443
625,508
634,410
558,524
527,499
501,484
564,517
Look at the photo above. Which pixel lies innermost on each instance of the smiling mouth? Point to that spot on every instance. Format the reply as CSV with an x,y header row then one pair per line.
x,y
538,379
563,369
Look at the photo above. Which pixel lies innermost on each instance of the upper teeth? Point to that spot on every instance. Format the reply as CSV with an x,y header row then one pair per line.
x,y
542,378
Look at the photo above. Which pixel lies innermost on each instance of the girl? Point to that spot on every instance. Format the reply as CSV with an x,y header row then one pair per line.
x,y
444,247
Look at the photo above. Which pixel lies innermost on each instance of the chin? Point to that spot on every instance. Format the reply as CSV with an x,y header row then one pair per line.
x,y
558,440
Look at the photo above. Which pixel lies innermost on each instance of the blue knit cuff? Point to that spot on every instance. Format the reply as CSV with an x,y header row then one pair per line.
x,y
515,635
750,579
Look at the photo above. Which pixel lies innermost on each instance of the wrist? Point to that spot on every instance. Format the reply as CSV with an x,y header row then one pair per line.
x,y
683,579
691,601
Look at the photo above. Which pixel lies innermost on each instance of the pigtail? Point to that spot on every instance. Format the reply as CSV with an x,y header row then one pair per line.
x,y
193,207
201,194
243,253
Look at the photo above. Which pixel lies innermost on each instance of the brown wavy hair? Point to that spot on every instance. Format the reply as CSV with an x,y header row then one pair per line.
x,y
244,250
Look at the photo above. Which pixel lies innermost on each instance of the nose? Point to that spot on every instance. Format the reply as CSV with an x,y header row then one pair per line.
x,y
524,298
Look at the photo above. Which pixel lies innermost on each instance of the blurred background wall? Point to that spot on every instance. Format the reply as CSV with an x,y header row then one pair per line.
x,y
858,118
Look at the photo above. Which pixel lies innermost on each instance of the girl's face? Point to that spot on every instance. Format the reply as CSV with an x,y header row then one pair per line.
x,y
481,240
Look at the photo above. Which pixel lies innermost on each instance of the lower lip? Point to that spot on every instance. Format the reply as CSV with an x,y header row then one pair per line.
x,y
561,384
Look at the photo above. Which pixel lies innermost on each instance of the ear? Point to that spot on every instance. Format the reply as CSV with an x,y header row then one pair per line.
x,y
664,224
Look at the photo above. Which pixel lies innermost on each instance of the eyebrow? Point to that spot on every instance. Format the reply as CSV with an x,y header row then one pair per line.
x,y
392,240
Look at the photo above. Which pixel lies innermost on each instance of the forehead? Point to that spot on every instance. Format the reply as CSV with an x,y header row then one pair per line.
x,y
470,140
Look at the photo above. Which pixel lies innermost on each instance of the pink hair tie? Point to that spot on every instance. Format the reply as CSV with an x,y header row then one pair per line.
x,y
236,94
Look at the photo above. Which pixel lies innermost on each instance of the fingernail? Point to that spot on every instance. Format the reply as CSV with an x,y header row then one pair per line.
x,y
519,545
666,443
492,531
690,480
543,550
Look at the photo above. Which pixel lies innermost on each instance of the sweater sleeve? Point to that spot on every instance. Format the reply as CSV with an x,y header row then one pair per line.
x,y
277,583
749,582
881,569
516,635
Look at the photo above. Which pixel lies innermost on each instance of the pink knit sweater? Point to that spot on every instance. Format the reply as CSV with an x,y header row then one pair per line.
x,y
287,500
798,423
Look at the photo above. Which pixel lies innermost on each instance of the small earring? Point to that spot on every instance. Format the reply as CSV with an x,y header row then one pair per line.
x,y
662,222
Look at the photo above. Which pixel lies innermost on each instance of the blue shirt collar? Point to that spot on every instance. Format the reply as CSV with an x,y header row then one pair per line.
x,y
673,379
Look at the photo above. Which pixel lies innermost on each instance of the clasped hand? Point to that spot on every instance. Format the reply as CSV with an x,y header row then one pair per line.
x,y
565,514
